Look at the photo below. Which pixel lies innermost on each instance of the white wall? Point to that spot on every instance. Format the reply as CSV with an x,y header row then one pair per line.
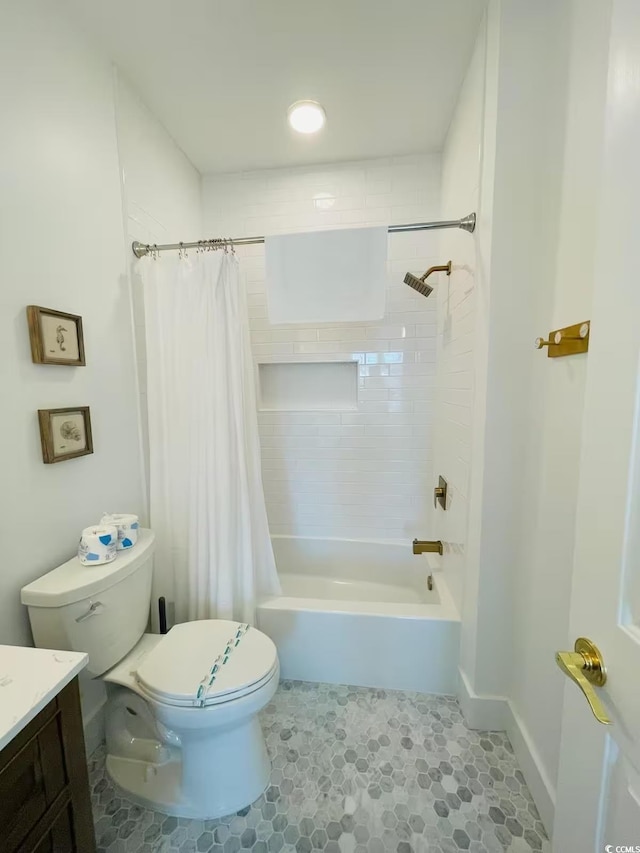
x,y
539,197
456,299
543,586
365,474
61,246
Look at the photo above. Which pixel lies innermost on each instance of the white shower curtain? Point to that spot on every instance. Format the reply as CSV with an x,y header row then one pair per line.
x,y
213,554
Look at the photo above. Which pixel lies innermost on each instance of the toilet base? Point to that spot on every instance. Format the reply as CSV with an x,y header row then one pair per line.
x,y
155,787
221,775
159,788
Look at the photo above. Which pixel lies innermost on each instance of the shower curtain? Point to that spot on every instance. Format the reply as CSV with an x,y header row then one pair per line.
x,y
213,551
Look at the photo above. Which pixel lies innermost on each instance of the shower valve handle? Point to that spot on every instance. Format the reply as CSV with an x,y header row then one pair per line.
x,y
440,493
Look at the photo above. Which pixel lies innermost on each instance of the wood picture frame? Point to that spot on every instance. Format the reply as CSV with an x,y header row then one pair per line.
x,y
65,433
55,336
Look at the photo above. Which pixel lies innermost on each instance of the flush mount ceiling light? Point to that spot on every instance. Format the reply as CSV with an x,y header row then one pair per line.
x,y
306,116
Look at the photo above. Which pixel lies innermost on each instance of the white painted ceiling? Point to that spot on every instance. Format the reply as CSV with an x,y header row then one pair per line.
x,y
220,75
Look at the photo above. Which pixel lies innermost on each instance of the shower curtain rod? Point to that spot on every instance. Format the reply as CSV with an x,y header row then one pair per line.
x,y
467,223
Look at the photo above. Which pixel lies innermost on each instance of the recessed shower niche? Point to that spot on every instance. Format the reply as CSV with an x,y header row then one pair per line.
x,y
311,386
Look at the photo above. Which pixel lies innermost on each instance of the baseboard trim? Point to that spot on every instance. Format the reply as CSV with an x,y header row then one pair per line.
x,y
497,713
539,784
94,728
486,713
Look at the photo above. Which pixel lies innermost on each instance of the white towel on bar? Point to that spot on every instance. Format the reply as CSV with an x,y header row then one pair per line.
x,y
327,276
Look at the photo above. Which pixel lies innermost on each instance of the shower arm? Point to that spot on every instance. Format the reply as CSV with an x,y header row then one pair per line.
x,y
440,268
467,223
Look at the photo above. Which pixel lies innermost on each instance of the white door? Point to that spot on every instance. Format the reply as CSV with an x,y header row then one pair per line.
x,y
598,798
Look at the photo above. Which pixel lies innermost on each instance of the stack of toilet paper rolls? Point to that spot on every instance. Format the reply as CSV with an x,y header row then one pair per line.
x,y
127,526
100,543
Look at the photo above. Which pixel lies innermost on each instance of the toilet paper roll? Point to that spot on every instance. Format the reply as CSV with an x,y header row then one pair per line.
x,y
98,545
127,526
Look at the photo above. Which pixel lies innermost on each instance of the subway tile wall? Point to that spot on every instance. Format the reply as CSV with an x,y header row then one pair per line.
x,y
358,474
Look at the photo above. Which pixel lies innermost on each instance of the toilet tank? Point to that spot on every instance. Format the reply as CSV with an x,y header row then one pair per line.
x,y
102,610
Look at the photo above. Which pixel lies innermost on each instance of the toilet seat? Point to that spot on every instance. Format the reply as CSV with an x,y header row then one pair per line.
x,y
207,662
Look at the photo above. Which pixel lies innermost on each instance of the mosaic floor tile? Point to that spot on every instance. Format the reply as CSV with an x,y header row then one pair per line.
x,y
354,770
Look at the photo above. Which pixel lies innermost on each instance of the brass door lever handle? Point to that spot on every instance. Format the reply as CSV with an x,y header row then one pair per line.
x,y
586,667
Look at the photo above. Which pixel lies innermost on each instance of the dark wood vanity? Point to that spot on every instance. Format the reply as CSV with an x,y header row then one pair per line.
x,y
45,804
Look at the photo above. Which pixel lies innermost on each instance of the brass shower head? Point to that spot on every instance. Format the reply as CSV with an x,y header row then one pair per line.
x,y
420,284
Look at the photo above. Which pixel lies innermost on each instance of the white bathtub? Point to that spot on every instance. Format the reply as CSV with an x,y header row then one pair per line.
x,y
354,612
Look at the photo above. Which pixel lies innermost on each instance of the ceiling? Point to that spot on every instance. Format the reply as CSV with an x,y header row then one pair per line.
x,y
220,75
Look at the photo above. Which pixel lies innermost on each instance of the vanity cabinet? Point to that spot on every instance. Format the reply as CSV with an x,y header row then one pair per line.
x,y
45,805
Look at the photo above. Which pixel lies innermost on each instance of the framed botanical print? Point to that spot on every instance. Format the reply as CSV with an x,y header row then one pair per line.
x,y
65,433
55,336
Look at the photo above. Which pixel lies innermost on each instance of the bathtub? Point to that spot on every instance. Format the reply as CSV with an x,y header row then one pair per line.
x,y
356,612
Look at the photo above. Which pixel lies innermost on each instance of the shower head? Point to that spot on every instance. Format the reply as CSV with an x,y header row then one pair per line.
x,y
420,284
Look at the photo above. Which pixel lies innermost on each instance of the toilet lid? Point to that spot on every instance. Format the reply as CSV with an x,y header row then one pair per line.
x,y
207,662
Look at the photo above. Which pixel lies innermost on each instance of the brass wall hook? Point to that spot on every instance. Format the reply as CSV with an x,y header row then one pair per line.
x,y
563,335
571,340
540,343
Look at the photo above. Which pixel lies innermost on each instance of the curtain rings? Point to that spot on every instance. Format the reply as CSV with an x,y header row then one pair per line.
x,y
226,244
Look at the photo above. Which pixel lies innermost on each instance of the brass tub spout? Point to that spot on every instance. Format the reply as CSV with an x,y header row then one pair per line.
x,y
427,546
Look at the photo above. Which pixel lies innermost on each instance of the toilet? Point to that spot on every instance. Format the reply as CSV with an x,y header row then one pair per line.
x,y
182,729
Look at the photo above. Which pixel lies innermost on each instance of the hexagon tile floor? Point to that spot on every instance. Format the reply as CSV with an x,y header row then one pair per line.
x,y
354,770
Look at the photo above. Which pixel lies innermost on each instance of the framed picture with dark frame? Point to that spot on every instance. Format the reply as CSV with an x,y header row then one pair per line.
x,y
65,433
55,336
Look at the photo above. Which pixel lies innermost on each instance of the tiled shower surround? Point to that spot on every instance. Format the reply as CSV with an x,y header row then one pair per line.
x,y
355,770
366,473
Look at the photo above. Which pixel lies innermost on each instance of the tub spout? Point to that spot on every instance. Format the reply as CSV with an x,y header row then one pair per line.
x,y
427,546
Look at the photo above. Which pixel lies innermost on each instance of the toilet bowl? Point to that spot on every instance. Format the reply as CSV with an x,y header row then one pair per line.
x,y
185,755
183,734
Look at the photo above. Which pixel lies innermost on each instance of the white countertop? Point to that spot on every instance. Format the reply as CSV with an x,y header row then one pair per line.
x,y
29,679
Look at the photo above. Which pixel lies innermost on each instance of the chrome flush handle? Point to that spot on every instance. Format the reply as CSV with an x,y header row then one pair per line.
x,y
94,608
